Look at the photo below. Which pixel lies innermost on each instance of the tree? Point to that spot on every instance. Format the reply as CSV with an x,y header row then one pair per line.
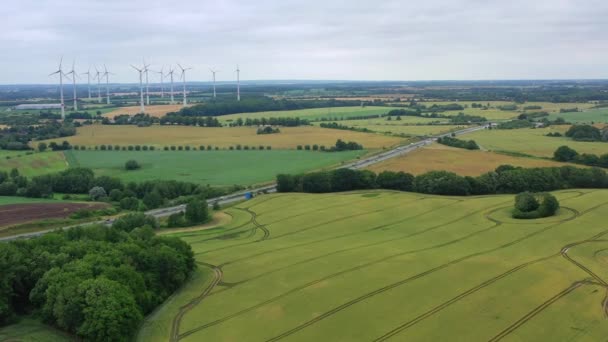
x,y
526,202
109,311
196,212
115,195
132,165
153,199
129,203
42,147
564,154
96,193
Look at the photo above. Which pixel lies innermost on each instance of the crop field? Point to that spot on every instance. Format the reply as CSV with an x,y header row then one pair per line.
x,y
217,168
289,138
312,114
33,164
30,330
461,161
532,141
590,116
155,110
381,265
397,128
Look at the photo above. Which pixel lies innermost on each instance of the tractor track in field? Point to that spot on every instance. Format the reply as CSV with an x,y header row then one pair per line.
x,y
420,275
307,228
257,225
363,231
241,312
453,300
537,310
218,274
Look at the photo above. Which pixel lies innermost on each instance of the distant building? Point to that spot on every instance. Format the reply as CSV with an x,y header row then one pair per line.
x,y
39,106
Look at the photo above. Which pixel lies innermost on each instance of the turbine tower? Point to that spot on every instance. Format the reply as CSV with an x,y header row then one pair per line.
x,y
61,74
213,72
238,83
162,81
170,73
88,73
98,76
184,82
141,88
74,75
107,75
147,87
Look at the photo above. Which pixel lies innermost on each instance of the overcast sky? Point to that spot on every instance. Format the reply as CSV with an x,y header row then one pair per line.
x,y
312,39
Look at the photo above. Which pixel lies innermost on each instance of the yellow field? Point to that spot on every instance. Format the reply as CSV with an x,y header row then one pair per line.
x,y
381,125
461,161
289,138
157,110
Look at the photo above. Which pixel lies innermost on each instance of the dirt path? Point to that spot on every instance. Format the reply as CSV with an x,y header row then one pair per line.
x,y
219,219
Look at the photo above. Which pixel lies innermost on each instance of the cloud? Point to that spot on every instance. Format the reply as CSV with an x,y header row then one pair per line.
x,y
292,39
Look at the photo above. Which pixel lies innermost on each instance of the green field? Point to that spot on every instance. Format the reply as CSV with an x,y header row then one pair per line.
x,y
19,200
376,265
33,164
590,116
533,141
30,330
331,113
217,168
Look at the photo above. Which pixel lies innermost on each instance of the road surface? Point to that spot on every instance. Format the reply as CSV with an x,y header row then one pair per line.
x,y
239,196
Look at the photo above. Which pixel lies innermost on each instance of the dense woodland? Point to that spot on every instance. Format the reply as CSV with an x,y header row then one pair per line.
x,y
96,282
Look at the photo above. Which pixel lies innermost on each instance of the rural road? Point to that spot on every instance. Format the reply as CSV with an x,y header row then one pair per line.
x,y
239,196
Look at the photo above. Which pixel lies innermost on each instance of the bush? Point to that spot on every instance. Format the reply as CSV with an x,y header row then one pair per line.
x,y
197,212
132,165
97,193
532,206
176,220
564,154
299,147
129,203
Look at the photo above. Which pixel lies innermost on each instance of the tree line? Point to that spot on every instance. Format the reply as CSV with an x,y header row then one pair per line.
x,y
567,154
587,133
17,137
95,282
279,121
129,196
505,179
454,142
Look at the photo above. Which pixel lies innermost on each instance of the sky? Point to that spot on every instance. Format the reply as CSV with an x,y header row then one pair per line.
x,y
308,40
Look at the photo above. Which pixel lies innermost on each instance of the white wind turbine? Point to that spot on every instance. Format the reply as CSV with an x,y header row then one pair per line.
x,y
141,88
88,73
147,87
213,72
98,76
170,73
74,75
61,74
238,83
184,82
162,81
107,76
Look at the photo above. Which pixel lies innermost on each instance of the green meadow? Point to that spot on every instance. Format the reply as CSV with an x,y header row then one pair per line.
x,y
381,265
216,168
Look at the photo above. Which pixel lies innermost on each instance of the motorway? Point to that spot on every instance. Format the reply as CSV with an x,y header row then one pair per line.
x,y
239,196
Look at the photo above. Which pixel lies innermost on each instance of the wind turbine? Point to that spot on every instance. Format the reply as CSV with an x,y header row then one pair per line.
x,y
88,73
170,73
238,83
213,72
74,75
162,79
107,75
184,82
141,88
147,88
98,76
61,74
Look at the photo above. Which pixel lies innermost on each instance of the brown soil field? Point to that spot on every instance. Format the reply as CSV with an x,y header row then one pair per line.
x,y
12,214
157,110
463,162
288,138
